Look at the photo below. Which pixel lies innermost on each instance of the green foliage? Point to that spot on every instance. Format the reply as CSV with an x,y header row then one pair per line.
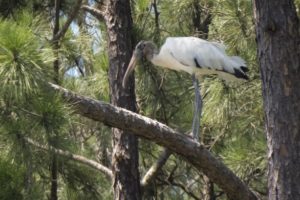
x,y
232,118
80,183
23,63
28,109
11,181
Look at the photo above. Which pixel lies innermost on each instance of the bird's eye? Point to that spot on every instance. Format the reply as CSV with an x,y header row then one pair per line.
x,y
142,46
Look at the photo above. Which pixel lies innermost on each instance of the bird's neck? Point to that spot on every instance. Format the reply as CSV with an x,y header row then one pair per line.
x,y
151,51
156,59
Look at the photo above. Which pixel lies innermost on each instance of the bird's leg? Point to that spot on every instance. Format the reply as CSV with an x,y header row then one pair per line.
x,y
198,109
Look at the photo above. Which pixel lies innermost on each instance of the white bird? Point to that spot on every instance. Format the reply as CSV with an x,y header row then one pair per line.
x,y
193,55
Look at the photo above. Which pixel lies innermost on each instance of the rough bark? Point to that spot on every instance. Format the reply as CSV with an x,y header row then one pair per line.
x,y
161,134
278,39
126,181
55,42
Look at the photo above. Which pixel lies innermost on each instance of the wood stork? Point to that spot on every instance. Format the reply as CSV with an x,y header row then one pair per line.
x,y
195,56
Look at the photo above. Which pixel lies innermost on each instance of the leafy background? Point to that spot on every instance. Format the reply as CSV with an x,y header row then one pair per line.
x,y
232,119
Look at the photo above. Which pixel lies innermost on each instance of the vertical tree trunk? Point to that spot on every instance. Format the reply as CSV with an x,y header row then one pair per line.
x,y
200,20
55,43
126,182
278,39
54,176
196,16
53,168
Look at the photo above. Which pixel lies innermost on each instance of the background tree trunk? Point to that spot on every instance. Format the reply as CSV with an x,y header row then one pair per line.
x,y
126,181
277,28
54,177
53,168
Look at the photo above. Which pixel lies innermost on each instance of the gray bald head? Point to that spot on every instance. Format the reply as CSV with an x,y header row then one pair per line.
x,y
145,49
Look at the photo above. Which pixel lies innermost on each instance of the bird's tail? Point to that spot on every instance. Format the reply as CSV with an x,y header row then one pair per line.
x,y
239,67
234,69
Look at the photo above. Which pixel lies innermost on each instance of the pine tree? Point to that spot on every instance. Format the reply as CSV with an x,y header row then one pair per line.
x,y
232,122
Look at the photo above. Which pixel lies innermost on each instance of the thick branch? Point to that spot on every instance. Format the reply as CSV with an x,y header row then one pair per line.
x,y
78,158
161,134
72,15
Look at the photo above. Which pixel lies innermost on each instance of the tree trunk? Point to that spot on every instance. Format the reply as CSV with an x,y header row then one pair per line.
x,y
55,42
53,168
126,181
200,20
277,27
54,176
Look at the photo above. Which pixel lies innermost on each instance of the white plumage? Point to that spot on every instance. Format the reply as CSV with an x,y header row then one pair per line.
x,y
195,56
200,57
192,55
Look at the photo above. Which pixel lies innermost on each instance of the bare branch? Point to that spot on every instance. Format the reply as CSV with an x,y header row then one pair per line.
x,y
78,158
99,14
163,135
155,168
65,27
156,15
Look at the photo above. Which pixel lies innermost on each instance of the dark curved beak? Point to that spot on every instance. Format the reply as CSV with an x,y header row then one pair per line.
x,y
136,56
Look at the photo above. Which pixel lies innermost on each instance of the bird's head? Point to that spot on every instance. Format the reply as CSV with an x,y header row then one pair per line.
x,y
144,49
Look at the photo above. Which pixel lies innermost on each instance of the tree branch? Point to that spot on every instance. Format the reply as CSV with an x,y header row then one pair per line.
x,y
183,187
99,14
163,135
78,158
65,27
155,168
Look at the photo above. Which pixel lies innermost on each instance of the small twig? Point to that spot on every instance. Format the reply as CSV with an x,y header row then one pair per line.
x,y
181,186
148,14
65,27
217,138
186,190
170,178
28,112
